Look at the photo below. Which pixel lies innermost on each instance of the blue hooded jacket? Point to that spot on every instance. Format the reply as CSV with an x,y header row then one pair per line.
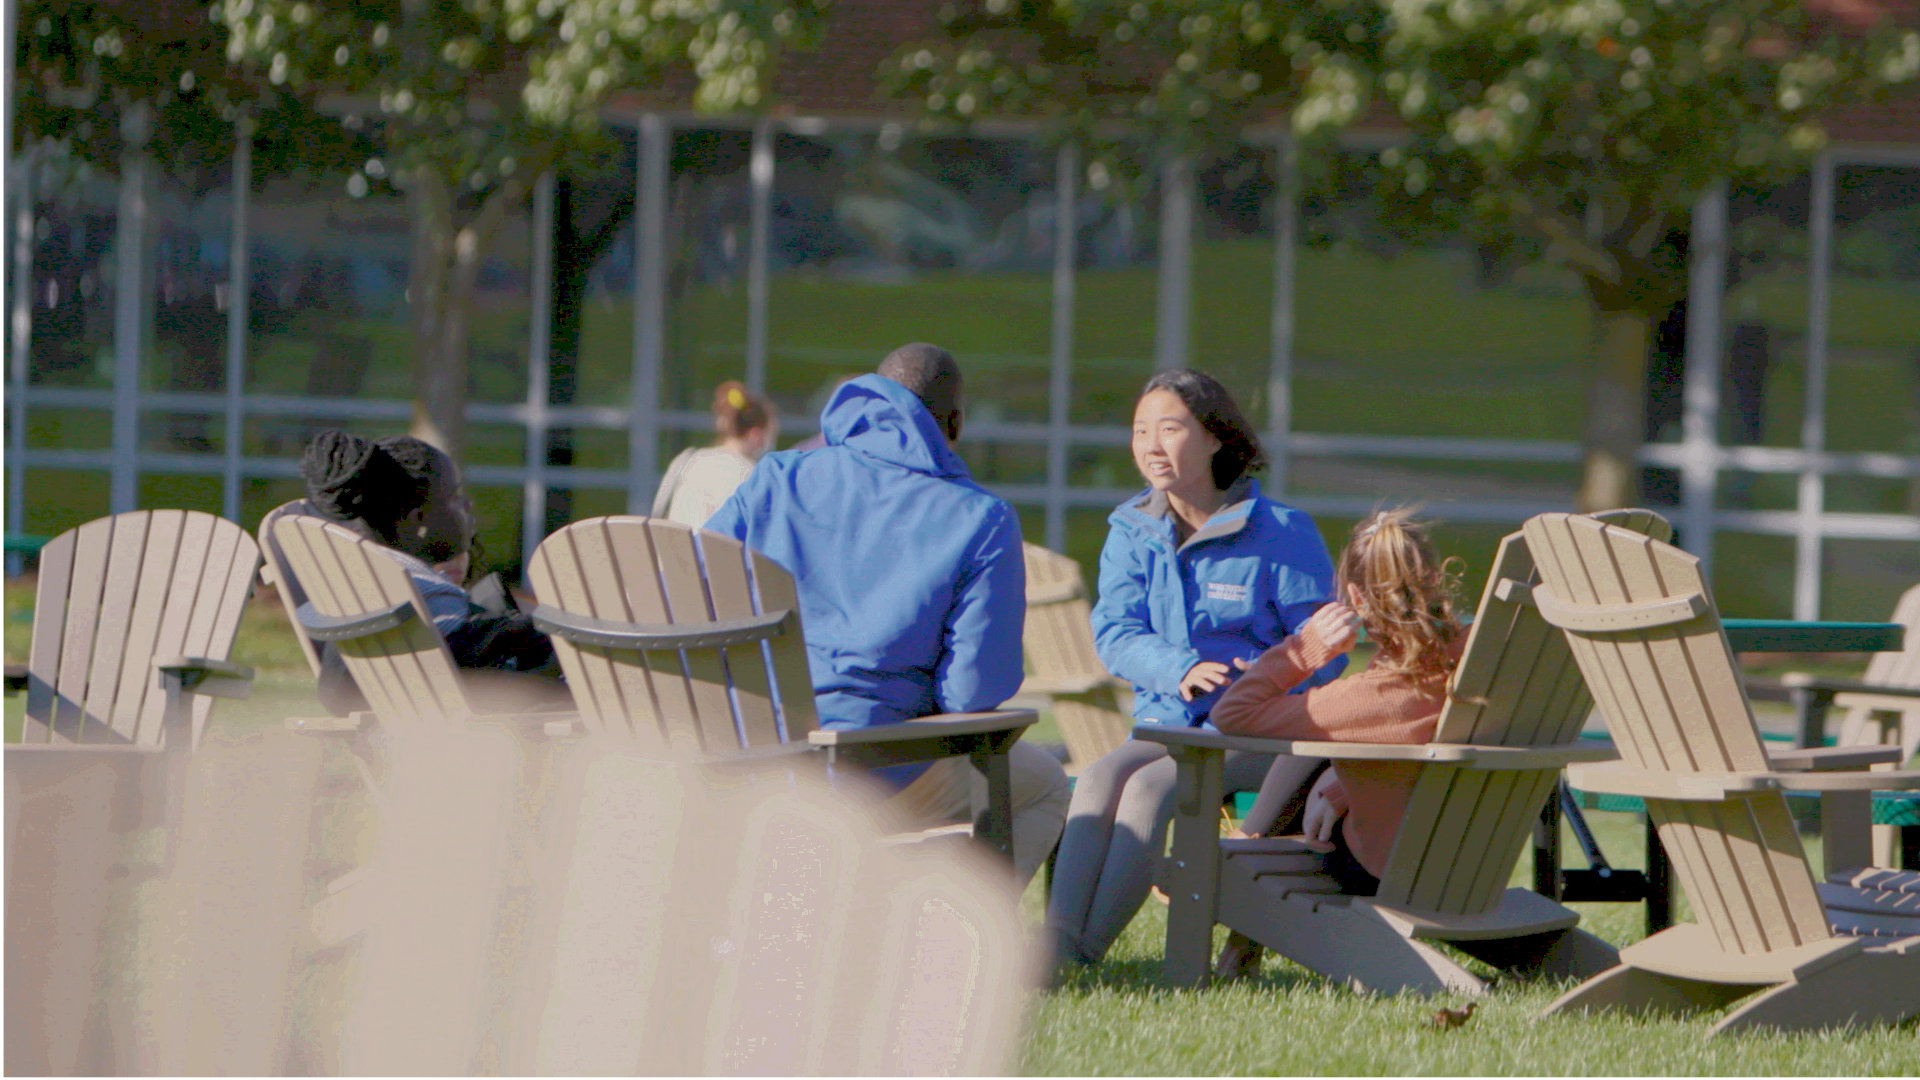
x,y
1237,587
911,578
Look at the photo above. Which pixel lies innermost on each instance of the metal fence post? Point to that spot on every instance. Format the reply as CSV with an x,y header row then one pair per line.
x,y
1813,421
649,311
1286,227
1174,299
20,327
130,310
1706,281
1066,176
759,234
239,295
533,489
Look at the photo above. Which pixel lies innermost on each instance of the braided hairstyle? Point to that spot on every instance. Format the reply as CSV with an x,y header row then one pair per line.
x,y
376,482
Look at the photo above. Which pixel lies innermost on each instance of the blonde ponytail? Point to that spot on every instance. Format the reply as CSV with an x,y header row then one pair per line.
x,y
1406,593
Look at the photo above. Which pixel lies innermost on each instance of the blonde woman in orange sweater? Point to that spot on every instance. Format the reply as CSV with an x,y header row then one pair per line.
x,y
1391,581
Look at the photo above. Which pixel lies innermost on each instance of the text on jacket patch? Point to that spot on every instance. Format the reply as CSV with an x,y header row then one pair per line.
x,y
1221,590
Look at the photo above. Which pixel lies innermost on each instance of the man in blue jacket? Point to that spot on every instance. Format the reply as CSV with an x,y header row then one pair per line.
x,y
911,578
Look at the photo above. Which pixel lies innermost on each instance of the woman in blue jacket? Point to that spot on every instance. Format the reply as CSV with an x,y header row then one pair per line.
x,y
1200,575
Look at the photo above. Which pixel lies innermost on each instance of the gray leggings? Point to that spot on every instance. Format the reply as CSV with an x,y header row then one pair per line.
x,y
1117,827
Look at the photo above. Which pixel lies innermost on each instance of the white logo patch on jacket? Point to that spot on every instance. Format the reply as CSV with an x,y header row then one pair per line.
x,y
1223,590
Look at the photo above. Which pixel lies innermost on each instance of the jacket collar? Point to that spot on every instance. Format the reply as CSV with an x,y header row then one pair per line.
x,y
1232,516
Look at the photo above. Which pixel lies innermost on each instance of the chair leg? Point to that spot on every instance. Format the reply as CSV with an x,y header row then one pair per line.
x,y
1193,878
995,824
1631,990
1880,986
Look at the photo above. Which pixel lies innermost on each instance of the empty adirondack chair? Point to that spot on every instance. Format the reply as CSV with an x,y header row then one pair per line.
x,y
1515,707
1642,626
135,617
1062,660
1883,708
659,628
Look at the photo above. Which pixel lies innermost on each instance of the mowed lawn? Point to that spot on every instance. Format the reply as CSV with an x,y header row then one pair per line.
x,y
1120,1020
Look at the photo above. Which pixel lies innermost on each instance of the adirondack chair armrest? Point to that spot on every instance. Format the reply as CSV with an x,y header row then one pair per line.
x,y
1825,689
16,678
320,725
928,727
1049,685
1803,680
1461,754
1833,758
199,675
1619,778
608,633
557,724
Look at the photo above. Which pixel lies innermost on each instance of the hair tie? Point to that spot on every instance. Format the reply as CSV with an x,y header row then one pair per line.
x,y
736,397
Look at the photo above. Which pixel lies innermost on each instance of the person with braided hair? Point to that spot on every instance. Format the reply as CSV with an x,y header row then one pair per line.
x,y
406,494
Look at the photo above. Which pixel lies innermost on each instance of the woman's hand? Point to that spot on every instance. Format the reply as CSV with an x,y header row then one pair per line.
x,y
1207,676
1336,625
1326,805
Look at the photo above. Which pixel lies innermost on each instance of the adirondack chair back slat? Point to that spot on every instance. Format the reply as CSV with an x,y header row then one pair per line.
x,y
1059,647
688,602
1881,720
712,700
406,673
113,595
1516,685
793,676
278,574
1672,697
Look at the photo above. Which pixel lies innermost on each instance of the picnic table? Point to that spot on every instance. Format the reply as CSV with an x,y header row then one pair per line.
x,y
1654,885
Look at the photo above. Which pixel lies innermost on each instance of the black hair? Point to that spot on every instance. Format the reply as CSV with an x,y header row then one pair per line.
x,y
932,375
377,481
1202,394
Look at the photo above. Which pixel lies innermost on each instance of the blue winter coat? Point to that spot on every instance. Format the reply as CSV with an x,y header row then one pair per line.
x,y
1235,588
911,578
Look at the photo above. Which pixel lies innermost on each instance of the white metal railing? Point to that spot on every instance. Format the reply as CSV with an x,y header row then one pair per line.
x,y
1698,456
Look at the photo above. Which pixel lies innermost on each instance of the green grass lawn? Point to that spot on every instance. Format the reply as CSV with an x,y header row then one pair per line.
x,y
1120,1019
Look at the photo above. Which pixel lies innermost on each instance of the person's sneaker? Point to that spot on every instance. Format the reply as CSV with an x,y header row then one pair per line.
x,y
1239,957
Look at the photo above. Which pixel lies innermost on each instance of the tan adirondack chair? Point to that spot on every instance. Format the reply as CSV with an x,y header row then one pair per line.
x,y
659,628
1883,708
135,618
1515,707
700,920
276,573
358,597
1880,709
1644,631
1062,662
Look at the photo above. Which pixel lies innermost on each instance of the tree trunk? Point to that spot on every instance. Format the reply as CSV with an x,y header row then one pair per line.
x,y
1615,423
446,267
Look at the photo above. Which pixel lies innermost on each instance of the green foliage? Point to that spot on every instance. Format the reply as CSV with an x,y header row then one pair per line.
x,y
1586,126
97,79
479,90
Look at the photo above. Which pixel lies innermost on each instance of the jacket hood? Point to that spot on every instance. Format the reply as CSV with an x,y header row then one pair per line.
x,y
884,420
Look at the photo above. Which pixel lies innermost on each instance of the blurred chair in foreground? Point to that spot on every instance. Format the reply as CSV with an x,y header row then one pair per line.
x,y
110,864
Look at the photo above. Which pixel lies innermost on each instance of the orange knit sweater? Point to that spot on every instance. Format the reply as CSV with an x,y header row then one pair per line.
x,y
1371,707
